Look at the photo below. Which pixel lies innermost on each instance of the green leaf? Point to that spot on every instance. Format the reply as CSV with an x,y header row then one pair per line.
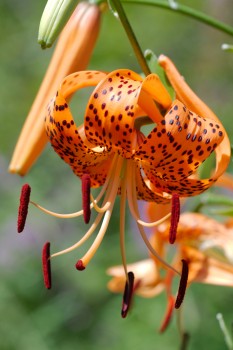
x,y
154,66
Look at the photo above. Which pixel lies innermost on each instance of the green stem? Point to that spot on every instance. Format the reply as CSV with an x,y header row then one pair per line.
x,y
131,36
225,331
185,10
185,341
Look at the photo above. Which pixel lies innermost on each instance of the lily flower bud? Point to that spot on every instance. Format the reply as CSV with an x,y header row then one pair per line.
x,y
72,53
54,17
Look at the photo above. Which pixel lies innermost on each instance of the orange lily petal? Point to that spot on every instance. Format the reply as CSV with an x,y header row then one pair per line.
x,y
117,101
184,188
201,231
148,282
206,269
147,192
178,145
195,104
72,52
225,181
112,109
69,141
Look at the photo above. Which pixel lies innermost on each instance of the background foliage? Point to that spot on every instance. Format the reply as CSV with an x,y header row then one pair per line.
x,y
79,312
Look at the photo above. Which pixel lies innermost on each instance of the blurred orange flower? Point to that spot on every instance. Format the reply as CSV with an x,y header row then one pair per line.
x,y
206,245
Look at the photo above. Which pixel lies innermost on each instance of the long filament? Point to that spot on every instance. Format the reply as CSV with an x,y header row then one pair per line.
x,y
122,222
135,214
132,199
109,197
94,201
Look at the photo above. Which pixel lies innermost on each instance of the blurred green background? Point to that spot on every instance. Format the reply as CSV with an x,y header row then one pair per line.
x,y
79,312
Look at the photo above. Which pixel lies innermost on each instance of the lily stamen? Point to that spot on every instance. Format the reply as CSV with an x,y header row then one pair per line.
x,y
128,293
86,187
92,205
122,219
83,239
58,215
46,264
175,216
97,208
109,198
23,207
95,245
133,205
183,284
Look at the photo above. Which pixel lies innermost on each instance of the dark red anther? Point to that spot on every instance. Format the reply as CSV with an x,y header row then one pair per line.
x,y
79,265
86,187
183,284
46,264
23,207
175,216
168,314
127,296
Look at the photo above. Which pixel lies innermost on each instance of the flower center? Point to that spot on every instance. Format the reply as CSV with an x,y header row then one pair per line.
x,y
122,179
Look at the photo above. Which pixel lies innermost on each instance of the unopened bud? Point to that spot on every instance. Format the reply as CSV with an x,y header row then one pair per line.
x,y
54,18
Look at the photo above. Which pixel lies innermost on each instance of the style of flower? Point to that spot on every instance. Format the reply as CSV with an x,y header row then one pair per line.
x,y
72,53
110,151
198,236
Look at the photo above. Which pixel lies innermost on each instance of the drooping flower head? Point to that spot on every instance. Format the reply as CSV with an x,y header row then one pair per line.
x,y
110,151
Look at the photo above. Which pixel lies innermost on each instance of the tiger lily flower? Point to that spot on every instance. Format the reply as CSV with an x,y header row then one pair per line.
x,y
198,236
109,150
72,53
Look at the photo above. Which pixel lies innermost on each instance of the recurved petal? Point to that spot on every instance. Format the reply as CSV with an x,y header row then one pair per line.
x,y
121,98
185,94
147,191
205,269
152,91
179,144
184,188
69,141
112,109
